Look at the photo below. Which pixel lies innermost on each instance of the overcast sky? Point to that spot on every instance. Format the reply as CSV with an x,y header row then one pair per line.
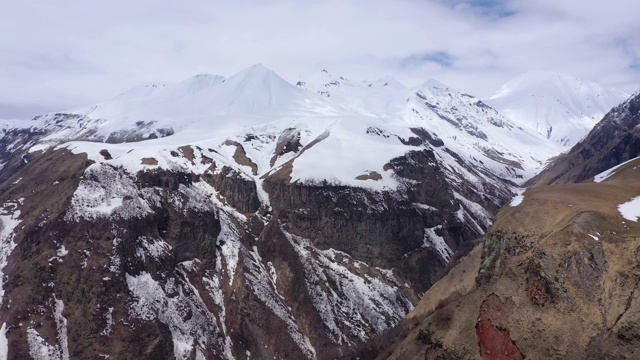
x,y
61,54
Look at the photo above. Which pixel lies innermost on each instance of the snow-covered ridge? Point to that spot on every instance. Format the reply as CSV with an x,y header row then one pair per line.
x,y
560,107
254,129
332,116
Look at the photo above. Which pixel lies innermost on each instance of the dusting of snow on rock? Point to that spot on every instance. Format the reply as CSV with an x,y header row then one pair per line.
x,y
631,209
170,305
115,261
9,220
213,286
230,236
106,191
260,281
39,349
156,248
367,305
424,207
109,327
436,242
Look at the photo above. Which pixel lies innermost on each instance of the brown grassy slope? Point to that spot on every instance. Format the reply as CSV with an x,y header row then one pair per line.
x,y
562,294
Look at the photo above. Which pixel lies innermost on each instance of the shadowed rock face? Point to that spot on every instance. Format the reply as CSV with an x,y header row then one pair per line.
x,y
383,229
169,250
180,264
227,239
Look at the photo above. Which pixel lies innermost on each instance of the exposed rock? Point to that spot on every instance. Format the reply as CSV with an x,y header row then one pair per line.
x,y
494,339
559,285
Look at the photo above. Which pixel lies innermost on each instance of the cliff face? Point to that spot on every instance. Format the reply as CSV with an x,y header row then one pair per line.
x,y
243,217
97,254
555,278
199,278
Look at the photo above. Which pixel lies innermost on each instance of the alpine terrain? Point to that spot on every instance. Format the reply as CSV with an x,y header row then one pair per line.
x,y
561,107
556,275
244,217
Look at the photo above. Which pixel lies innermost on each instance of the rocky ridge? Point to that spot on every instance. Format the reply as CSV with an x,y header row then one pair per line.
x,y
556,274
264,209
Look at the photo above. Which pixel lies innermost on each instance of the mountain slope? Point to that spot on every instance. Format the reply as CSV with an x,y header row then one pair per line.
x,y
560,107
562,285
215,213
611,142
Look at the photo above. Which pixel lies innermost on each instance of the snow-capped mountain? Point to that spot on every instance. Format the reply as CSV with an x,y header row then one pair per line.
x,y
563,243
611,142
217,212
560,107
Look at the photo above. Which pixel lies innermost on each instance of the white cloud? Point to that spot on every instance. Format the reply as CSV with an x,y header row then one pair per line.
x,y
71,53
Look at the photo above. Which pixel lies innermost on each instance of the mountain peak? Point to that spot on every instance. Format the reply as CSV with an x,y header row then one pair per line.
x,y
539,82
200,82
389,81
258,89
256,72
561,107
434,84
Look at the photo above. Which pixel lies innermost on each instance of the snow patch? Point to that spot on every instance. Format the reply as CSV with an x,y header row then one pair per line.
x,y
436,242
152,301
260,281
517,200
9,220
4,342
39,349
106,191
610,172
631,209
61,252
363,304
61,327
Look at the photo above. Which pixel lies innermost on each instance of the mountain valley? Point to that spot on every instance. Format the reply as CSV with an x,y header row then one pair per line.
x,y
248,217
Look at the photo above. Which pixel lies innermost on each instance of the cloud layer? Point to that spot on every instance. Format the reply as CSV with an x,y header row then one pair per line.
x,y
64,54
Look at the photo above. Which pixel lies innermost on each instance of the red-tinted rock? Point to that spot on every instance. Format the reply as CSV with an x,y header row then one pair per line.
x,y
493,338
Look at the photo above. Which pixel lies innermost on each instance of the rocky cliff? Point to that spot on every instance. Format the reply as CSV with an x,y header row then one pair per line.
x,y
556,277
241,217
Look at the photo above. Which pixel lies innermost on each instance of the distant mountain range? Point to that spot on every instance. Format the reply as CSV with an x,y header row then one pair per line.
x,y
245,217
560,107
